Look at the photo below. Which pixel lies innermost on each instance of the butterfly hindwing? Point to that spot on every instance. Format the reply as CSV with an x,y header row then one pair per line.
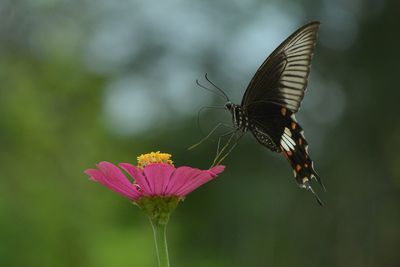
x,y
295,148
276,128
266,124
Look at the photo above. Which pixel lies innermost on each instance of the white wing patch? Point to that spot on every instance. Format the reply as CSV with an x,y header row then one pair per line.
x,y
288,132
286,140
283,144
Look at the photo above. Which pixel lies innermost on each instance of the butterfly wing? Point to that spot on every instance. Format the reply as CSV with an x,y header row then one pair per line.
x,y
275,94
282,78
277,129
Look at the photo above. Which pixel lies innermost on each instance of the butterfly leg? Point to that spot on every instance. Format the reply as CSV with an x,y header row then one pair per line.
x,y
219,141
221,156
220,152
208,135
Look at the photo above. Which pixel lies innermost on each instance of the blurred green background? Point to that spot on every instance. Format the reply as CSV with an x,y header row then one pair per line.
x,y
92,80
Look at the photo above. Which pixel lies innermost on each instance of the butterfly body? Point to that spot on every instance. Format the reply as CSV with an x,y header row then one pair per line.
x,y
243,123
239,118
272,98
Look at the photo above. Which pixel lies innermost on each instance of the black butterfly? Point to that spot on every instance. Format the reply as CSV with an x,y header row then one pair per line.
x,y
274,95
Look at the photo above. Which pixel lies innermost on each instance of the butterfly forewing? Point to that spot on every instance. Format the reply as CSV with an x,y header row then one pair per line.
x,y
282,78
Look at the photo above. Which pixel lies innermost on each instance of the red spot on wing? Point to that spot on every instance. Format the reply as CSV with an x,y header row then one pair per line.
x,y
298,167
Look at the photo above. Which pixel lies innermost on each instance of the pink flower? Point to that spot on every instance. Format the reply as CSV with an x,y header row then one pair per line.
x,y
155,176
156,187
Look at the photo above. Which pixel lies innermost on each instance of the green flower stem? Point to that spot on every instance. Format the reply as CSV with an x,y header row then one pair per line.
x,y
160,239
158,208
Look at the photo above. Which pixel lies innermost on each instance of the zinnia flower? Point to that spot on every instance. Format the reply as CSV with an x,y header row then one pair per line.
x,y
156,186
155,176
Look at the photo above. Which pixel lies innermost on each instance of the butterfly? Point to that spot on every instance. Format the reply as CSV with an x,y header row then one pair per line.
x,y
272,98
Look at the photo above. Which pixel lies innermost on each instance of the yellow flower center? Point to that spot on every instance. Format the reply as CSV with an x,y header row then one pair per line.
x,y
154,157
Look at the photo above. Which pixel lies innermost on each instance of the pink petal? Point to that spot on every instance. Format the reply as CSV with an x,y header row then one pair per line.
x,y
158,175
137,174
198,180
217,169
115,175
132,193
179,178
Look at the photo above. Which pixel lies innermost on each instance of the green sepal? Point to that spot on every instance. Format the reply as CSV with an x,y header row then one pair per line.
x,y
158,208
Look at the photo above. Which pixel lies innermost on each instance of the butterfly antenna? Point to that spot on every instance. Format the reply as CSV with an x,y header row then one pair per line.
x,y
208,89
219,89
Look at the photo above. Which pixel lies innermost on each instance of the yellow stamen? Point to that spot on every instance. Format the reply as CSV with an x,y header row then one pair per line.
x,y
154,157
